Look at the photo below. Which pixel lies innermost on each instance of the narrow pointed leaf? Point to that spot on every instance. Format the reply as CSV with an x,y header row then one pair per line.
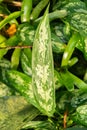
x,y
42,68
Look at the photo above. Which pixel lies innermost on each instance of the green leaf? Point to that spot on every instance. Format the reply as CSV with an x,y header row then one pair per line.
x,y
81,115
9,18
73,6
85,48
78,22
73,61
26,59
69,49
78,82
12,41
15,109
4,90
5,64
57,79
69,80
77,17
15,58
22,83
26,33
79,99
57,45
42,68
2,44
41,125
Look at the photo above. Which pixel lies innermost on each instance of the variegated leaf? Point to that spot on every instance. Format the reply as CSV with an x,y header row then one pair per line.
x,y
42,68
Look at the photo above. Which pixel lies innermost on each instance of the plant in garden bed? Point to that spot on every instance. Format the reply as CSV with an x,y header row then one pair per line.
x,y
40,45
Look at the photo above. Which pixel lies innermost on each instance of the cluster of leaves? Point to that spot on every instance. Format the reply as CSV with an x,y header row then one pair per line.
x,y
43,57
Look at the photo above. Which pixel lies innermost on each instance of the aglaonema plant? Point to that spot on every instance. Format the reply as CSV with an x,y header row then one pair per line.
x,y
41,79
40,89
42,68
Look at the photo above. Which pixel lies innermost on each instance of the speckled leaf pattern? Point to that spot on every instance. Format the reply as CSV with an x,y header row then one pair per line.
x,y
42,68
22,83
78,21
82,114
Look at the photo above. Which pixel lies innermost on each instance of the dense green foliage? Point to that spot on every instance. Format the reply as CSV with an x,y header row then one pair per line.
x,y
43,58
